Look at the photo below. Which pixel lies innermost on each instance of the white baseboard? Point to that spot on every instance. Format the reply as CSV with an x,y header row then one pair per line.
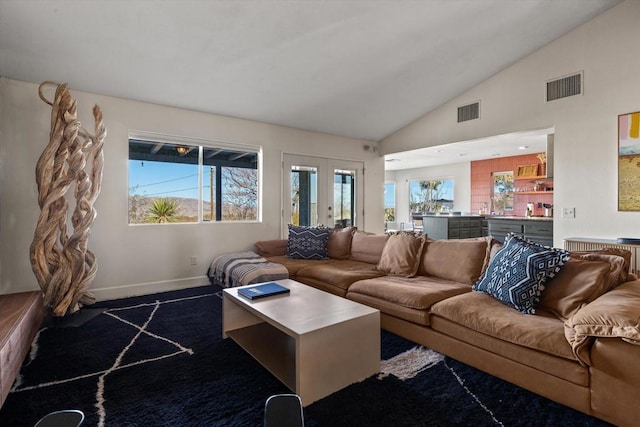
x,y
138,289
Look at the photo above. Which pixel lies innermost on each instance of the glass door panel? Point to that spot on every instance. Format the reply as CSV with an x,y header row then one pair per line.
x,y
343,198
304,196
346,198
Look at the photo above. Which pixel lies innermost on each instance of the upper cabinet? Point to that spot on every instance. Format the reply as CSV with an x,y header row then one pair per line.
x,y
536,178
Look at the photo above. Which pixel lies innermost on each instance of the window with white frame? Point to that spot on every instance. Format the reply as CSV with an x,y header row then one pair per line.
x,y
503,186
389,202
173,180
431,195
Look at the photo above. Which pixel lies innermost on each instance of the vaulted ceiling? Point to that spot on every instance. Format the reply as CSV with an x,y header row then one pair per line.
x,y
354,68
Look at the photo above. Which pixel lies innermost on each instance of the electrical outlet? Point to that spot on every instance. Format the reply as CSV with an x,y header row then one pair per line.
x,y
194,260
568,212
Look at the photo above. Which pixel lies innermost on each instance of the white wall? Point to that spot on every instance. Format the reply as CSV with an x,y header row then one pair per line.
x,y
585,125
459,172
150,258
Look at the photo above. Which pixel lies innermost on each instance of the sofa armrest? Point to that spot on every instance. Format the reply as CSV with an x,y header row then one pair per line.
x,y
615,314
615,381
268,248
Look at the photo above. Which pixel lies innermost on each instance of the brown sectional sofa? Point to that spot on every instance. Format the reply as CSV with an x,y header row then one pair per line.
x,y
588,360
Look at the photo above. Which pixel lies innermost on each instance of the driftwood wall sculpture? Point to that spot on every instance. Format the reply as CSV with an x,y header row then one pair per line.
x,y
62,264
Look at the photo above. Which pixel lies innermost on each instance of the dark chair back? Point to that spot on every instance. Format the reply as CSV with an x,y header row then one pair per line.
x,y
283,410
65,418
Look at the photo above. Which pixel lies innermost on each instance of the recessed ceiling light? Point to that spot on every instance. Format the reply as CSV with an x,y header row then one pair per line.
x,y
392,160
462,154
439,151
495,154
523,147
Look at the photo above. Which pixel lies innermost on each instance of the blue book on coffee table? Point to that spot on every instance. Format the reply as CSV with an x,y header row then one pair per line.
x,y
264,290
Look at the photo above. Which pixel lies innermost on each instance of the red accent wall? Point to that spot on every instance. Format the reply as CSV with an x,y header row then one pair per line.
x,y
481,184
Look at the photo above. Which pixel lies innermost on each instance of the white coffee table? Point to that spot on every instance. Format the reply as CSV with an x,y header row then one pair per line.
x,y
315,342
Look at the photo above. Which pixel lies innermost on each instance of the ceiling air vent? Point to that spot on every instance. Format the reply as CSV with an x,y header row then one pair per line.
x,y
564,87
469,112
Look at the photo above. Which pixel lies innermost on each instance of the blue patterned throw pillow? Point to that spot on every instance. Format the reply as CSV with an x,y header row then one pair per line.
x,y
518,272
307,242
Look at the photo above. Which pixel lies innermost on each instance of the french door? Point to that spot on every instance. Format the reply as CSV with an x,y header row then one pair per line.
x,y
321,191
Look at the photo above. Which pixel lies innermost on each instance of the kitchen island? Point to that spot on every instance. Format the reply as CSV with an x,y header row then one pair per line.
x,y
537,229
450,226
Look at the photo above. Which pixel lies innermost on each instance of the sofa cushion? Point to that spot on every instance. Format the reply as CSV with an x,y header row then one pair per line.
x,y
404,298
458,260
483,313
615,314
417,292
367,247
624,253
401,254
519,271
581,280
494,247
295,265
267,248
339,243
307,242
390,309
339,273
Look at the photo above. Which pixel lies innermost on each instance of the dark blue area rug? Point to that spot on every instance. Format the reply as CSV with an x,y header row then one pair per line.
x,y
160,360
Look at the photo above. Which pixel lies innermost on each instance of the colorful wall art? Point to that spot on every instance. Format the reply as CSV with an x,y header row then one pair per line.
x,y
629,162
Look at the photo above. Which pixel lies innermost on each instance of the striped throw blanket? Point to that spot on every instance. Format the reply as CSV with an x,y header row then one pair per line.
x,y
244,268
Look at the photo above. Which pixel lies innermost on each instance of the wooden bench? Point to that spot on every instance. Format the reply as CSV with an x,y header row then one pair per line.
x,y
21,316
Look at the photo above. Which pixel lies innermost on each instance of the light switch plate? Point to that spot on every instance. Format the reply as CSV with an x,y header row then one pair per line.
x,y
568,212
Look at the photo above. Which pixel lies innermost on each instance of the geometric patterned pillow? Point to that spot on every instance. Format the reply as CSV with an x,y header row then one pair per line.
x,y
518,272
307,242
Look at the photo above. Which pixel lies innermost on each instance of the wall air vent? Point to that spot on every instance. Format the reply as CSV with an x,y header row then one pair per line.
x,y
469,112
564,87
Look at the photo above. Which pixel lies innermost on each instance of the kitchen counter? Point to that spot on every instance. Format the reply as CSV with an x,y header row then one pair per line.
x,y
474,216
451,216
520,218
